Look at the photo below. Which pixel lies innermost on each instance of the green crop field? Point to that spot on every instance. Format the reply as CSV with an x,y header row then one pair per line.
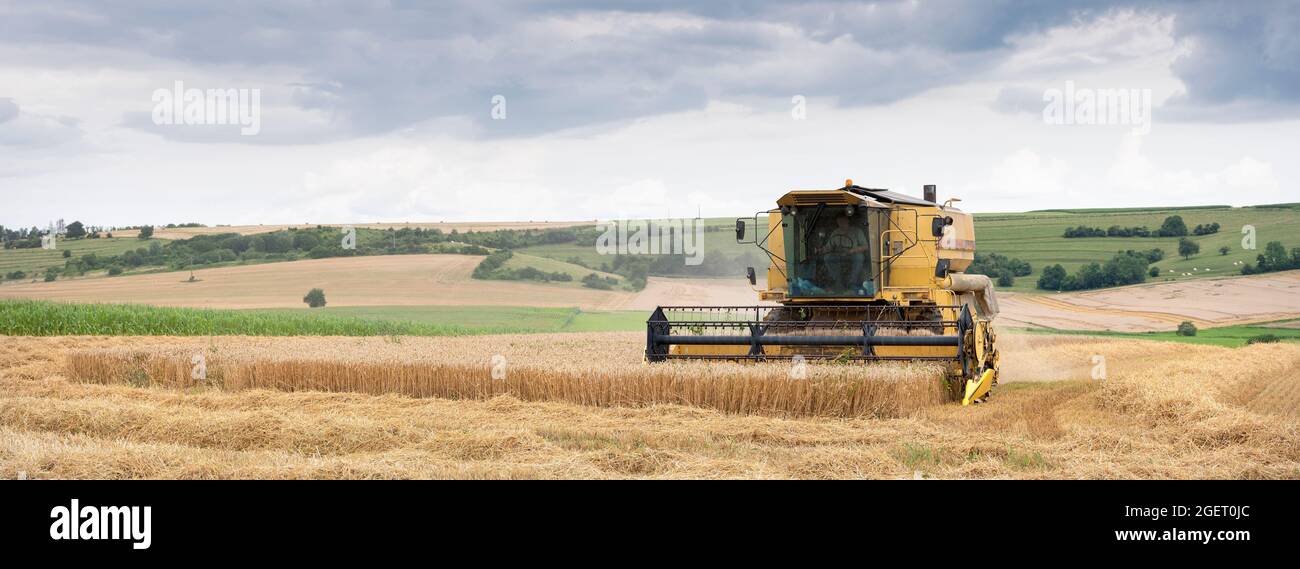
x,y
41,318
1036,237
35,261
487,319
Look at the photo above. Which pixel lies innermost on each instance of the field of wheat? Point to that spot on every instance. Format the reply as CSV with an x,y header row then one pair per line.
x,y
125,407
599,370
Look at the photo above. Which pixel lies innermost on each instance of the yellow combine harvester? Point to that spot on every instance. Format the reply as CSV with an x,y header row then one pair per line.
x,y
856,274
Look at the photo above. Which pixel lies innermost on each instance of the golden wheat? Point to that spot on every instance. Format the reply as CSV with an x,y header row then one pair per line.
x,y
590,372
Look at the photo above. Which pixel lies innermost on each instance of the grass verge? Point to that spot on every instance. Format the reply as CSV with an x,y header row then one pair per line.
x,y
1226,336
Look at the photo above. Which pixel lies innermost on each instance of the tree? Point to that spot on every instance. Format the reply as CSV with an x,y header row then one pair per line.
x,y
305,241
1173,227
1006,280
1186,328
75,230
1187,248
1224,250
1154,272
274,243
1274,257
315,298
67,254
1053,278
146,232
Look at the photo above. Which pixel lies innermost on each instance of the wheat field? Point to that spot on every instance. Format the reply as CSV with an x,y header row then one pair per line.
x,y
599,370
1162,411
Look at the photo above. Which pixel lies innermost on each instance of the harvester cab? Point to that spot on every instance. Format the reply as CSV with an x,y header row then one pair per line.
x,y
854,274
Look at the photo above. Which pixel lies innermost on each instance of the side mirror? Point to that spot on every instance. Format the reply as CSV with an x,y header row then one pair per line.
x,y
938,223
749,274
740,230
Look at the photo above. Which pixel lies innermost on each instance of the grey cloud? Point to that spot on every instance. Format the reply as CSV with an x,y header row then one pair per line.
x,y
373,68
1244,60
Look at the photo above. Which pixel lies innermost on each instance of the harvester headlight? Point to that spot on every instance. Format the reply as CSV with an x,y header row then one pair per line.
x,y
848,210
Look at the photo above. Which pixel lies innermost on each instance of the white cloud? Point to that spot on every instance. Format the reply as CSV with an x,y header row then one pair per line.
x,y
1137,174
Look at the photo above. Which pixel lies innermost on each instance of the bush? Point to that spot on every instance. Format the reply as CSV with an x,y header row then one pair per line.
x,y
1154,272
132,258
486,268
15,275
1208,229
1224,250
598,282
1263,339
1186,329
67,254
114,270
51,275
995,265
1082,231
1006,280
145,232
321,252
315,298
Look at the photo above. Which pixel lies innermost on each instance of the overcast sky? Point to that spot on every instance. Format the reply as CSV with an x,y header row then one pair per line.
x,y
384,111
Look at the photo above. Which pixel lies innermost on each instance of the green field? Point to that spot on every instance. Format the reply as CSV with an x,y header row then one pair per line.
x,y
1227,336
1036,237
41,318
35,261
488,319
719,241
551,265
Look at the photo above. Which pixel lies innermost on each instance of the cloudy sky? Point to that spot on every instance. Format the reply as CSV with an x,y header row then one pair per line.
x,y
529,110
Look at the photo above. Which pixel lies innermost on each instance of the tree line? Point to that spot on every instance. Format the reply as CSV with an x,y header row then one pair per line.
x,y
1173,226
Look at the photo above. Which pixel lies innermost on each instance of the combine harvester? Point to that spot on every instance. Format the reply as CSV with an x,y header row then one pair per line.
x,y
856,274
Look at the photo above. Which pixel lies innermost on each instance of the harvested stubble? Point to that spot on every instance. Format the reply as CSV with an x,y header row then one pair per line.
x,y
463,369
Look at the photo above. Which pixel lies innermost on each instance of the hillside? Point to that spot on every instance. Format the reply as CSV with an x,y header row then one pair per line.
x,y
1036,237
